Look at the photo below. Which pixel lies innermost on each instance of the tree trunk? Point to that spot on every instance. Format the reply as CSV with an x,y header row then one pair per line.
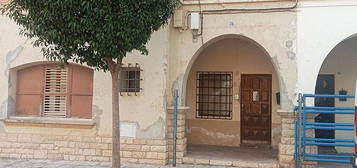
x,y
116,119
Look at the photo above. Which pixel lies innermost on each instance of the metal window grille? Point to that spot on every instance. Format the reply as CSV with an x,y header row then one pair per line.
x,y
55,92
214,95
130,79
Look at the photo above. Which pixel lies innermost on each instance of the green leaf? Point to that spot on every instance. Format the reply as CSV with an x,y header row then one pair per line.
x,y
87,31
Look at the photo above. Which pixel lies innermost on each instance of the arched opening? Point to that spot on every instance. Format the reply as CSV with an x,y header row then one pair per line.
x,y
337,75
232,90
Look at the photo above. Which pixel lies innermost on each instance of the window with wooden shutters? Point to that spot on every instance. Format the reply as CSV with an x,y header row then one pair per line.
x,y
54,91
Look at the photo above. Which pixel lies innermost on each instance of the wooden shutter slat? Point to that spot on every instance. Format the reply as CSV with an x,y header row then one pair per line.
x,y
55,92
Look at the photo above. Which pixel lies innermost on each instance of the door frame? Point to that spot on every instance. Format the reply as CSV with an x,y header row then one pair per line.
x,y
241,112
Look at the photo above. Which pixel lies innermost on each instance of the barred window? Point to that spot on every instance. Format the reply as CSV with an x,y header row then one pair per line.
x,y
130,79
214,95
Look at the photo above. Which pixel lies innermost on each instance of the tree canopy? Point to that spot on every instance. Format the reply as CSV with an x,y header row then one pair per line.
x,y
98,33
90,31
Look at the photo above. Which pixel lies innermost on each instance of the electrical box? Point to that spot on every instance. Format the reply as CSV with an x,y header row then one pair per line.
x,y
178,22
128,129
195,20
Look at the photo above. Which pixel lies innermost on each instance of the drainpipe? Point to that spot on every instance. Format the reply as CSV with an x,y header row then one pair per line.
x,y
175,127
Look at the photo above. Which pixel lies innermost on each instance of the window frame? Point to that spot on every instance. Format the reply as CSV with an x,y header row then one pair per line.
x,y
228,96
124,83
72,72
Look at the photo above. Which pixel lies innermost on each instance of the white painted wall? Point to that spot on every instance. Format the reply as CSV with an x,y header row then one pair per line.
x,y
342,63
321,26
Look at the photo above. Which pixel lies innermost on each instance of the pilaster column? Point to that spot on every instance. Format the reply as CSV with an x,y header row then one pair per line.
x,y
287,142
181,143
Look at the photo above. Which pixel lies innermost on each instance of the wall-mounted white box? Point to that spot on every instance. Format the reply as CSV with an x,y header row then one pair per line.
x,y
128,129
195,21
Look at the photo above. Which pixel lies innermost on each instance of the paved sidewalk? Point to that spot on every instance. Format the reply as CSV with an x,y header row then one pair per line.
x,y
4,163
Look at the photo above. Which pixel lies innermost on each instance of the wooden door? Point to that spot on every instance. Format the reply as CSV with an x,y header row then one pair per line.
x,y
256,108
325,85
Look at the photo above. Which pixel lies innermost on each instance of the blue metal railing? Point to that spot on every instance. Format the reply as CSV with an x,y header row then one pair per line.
x,y
302,125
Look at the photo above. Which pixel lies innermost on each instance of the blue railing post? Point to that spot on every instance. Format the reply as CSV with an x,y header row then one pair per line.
x,y
175,127
303,126
298,131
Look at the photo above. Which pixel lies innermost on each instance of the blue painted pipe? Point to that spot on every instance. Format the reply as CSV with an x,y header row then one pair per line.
x,y
330,128
329,96
328,112
330,144
347,161
327,155
296,140
175,128
330,140
329,108
330,124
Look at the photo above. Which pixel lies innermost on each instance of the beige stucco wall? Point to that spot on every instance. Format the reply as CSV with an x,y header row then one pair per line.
x,y
342,63
146,120
239,56
172,52
274,31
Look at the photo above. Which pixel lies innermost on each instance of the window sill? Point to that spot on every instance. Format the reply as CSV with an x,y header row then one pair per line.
x,y
46,120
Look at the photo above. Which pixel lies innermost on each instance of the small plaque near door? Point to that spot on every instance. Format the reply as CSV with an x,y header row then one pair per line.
x,y
255,95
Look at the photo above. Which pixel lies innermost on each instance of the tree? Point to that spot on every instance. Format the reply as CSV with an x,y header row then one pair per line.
x,y
98,33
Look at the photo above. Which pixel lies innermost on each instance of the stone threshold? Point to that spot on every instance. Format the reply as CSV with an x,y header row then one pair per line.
x,y
194,160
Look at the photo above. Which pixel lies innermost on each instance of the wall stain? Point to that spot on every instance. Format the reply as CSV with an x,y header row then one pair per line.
x,y
276,135
11,106
289,44
212,137
3,108
11,56
9,83
286,100
2,127
212,134
154,131
97,112
291,55
178,84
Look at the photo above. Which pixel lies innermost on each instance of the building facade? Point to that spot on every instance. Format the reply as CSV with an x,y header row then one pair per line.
x,y
238,71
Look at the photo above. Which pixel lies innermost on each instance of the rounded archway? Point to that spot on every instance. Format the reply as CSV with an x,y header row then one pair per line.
x,y
232,90
337,75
